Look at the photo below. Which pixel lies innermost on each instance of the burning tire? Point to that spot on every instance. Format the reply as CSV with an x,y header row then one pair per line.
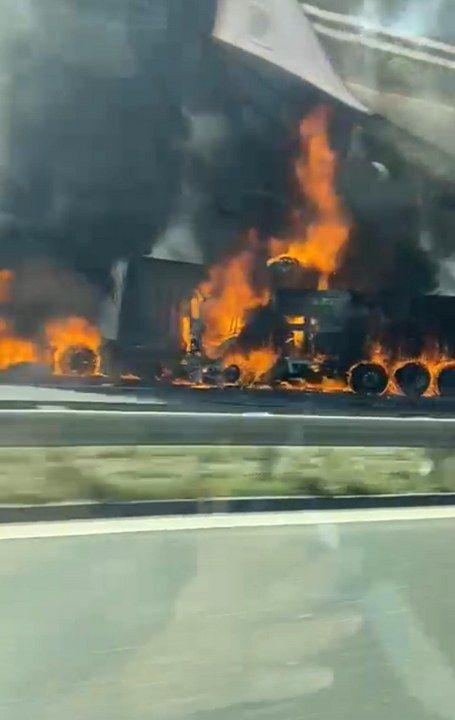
x,y
446,381
231,374
413,379
285,271
211,375
79,361
368,379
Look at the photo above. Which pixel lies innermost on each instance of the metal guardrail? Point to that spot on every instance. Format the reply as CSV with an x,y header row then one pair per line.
x,y
57,427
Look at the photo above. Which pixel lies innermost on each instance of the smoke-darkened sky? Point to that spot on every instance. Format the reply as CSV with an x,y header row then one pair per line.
x,y
120,120
124,127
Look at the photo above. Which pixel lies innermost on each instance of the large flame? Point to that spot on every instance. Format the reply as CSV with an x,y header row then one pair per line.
x,y
320,231
319,244
185,331
15,350
230,297
254,365
72,332
432,357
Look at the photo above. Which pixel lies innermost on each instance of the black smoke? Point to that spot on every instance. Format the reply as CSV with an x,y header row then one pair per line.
x,y
129,130
41,290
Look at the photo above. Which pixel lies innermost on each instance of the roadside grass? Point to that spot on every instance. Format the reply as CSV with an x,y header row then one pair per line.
x,y
41,475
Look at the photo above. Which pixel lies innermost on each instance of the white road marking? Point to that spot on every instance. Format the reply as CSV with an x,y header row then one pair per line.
x,y
254,416
75,528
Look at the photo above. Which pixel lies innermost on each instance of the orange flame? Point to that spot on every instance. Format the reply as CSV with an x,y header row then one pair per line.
x,y
330,385
6,278
71,332
15,350
185,332
230,298
298,335
319,244
254,365
378,354
230,295
432,357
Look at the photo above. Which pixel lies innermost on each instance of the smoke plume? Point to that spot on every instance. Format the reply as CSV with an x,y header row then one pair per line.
x,y
124,129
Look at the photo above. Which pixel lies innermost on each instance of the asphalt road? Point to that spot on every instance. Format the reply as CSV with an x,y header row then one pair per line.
x,y
295,616
100,415
58,427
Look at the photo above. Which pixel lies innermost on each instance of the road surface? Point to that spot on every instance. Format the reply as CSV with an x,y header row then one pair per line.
x,y
335,615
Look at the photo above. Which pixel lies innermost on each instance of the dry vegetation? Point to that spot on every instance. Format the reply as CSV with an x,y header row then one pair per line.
x,y
36,475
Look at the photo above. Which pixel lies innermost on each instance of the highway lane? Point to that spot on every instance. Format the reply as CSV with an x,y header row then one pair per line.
x,y
54,426
340,615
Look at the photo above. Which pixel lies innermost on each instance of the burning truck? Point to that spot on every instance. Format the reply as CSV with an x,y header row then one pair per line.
x,y
276,234
283,311
327,300
274,312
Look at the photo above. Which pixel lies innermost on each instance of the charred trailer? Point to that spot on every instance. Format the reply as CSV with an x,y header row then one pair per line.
x,y
434,315
154,306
